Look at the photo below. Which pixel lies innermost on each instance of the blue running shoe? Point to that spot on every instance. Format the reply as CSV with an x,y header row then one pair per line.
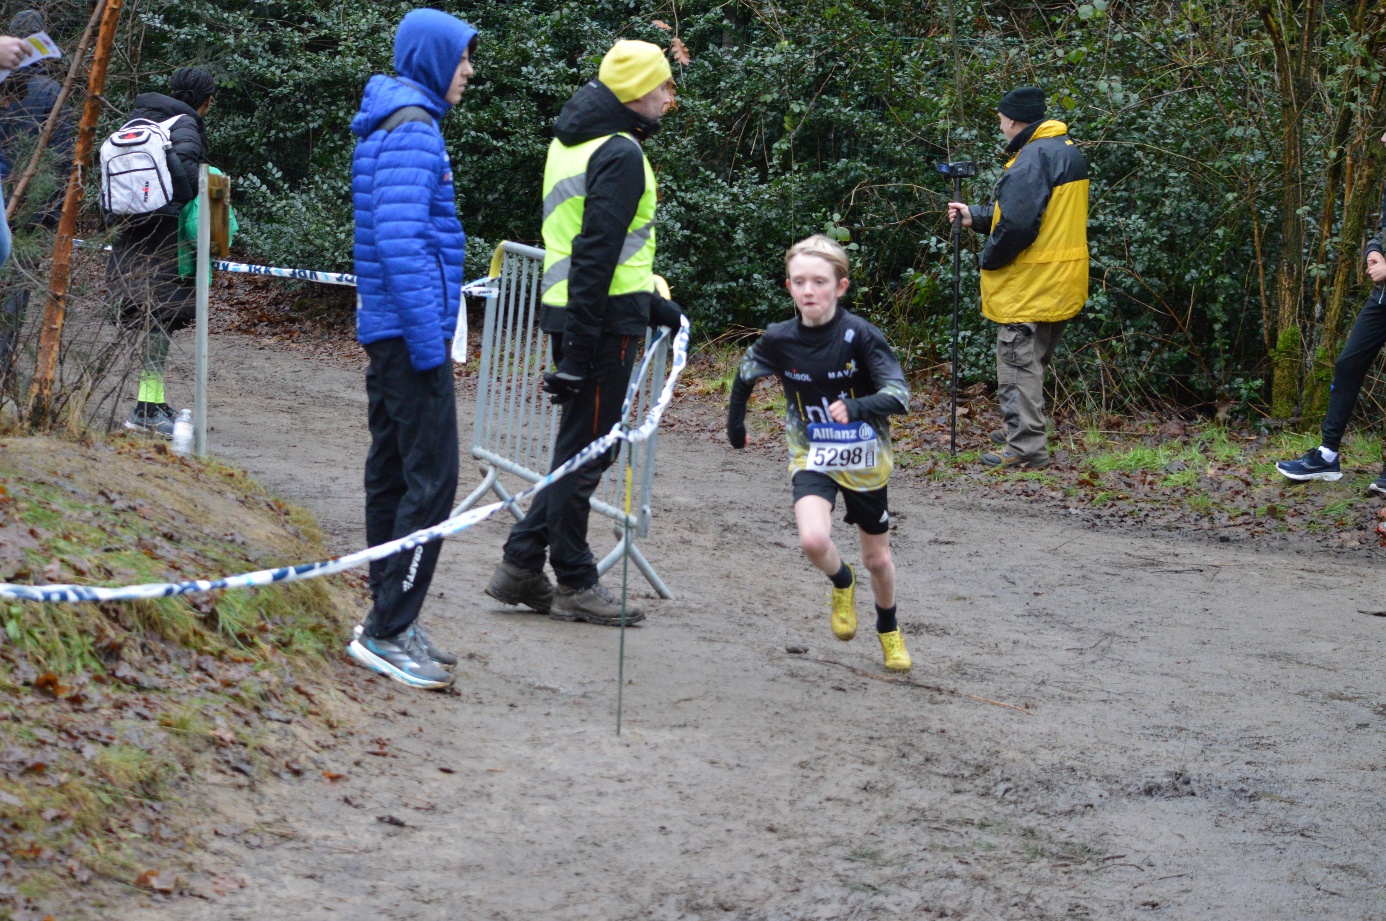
x,y
1311,466
400,658
1378,485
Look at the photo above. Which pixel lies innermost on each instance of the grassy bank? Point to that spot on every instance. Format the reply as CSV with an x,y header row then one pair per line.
x,y
109,712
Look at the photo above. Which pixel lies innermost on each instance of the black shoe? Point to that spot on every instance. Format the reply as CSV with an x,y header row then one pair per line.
x,y
149,419
402,658
434,653
512,585
593,604
1311,466
1378,485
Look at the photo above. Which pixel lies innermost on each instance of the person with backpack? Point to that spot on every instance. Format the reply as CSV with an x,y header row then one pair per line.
x,y
143,194
409,251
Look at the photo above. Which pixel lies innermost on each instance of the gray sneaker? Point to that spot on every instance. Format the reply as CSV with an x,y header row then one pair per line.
x,y
433,652
150,419
512,585
402,658
594,604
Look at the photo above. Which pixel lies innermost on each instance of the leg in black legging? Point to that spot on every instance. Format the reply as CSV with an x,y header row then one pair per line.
x,y
1364,342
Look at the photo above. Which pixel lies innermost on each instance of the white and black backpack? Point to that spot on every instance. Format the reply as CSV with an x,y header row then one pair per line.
x,y
135,177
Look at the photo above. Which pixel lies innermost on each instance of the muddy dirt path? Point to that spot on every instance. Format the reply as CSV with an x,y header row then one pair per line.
x,y
1204,737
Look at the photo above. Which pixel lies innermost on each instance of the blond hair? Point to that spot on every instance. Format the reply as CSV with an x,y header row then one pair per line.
x,y
824,248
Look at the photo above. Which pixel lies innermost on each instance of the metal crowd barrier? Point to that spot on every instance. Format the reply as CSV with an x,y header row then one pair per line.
x,y
515,424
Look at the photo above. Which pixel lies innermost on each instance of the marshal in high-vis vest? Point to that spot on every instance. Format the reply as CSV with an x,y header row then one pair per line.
x,y
598,295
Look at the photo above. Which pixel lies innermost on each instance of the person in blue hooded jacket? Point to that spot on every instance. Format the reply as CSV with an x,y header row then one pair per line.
x,y
409,249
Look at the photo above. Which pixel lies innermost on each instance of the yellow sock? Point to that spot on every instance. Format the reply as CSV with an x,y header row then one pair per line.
x,y
151,387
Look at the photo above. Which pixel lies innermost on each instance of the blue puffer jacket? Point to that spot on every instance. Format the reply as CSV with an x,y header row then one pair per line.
x,y
409,242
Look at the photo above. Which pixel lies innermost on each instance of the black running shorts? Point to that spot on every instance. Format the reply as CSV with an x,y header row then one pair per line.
x,y
867,510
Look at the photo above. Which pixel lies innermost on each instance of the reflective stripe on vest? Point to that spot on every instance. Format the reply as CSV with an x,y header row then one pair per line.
x,y
565,196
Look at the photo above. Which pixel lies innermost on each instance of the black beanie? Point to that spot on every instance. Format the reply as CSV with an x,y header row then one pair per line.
x,y
1024,104
191,85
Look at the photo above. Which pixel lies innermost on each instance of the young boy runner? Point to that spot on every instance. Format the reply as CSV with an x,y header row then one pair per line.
x,y
841,382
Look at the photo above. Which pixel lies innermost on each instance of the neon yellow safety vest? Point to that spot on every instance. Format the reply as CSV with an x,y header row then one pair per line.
x,y
565,196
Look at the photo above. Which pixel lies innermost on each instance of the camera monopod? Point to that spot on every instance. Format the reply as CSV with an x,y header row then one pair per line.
x,y
957,172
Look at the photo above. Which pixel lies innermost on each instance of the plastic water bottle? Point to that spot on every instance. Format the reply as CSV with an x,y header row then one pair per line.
x,y
183,433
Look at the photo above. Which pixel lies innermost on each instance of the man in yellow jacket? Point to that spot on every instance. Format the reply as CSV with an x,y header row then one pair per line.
x,y
1034,266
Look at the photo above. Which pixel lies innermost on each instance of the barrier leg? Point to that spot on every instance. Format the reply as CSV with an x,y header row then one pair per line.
x,y
641,563
489,476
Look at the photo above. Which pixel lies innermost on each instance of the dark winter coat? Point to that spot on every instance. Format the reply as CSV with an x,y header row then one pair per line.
x,y
409,242
26,116
615,183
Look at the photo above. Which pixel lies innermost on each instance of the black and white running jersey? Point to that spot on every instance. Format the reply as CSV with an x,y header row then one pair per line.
x,y
845,359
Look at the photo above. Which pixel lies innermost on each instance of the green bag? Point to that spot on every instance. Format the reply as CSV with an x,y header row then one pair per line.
x,y
187,234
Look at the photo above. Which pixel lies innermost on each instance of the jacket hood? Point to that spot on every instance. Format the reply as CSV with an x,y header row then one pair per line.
x,y
158,107
593,112
1048,128
428,47
386,95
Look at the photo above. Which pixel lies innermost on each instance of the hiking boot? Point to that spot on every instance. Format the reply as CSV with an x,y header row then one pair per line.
x,y
593,604
1378,485
434,653
401,658
150,419
844,609
512,585
1311,466
998,438
1002,459
897,658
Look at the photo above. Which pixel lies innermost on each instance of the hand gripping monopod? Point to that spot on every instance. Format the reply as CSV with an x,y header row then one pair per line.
x,y
957,172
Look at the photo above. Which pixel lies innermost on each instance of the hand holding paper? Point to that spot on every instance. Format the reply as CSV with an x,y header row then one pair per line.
x,y
21,52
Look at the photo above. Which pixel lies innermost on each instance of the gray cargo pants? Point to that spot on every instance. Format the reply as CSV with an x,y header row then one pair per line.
x,y
1023,351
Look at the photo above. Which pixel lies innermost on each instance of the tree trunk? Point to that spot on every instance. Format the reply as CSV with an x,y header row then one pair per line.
x,y
51,335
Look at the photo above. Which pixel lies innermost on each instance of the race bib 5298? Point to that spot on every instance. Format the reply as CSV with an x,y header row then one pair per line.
x,y
841,446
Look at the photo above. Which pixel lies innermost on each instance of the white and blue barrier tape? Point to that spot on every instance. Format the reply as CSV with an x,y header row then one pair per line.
x,y
482,287
68,594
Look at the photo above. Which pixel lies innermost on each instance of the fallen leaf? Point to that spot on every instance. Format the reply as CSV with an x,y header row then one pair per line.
x,y
48,684
661,24
332,776
391,820
156,881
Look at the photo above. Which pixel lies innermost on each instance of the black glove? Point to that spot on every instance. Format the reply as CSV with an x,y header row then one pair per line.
x,y
666,313
561,386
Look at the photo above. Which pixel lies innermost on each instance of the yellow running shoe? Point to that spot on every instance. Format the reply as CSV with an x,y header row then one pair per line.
x,y
844,615
897,658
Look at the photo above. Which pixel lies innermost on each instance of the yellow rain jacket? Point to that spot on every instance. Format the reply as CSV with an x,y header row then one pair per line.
x,y
1035,262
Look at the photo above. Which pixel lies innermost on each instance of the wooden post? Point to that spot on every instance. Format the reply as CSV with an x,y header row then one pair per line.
x,y
22,186
50,337
219,194
203,270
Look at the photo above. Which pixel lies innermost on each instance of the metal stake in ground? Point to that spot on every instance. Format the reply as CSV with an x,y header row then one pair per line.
x,y
957,172
625,586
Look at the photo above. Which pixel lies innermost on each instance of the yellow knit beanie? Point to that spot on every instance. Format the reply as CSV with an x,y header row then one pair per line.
x,y
631,69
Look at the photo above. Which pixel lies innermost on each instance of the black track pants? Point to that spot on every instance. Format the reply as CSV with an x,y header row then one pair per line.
x,y
411,476
1364,342
557,519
